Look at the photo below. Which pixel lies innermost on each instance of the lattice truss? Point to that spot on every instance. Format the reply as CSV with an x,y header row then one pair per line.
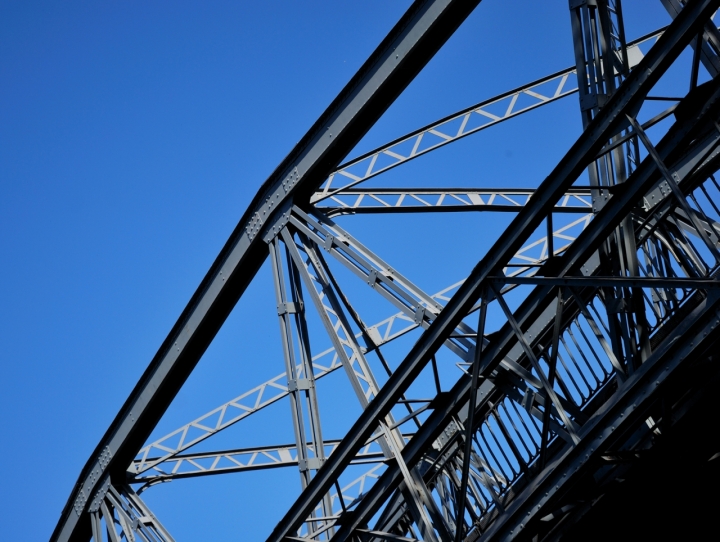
x,y
604,284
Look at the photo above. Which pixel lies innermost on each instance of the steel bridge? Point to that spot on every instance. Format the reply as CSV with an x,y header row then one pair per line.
x,y
605,283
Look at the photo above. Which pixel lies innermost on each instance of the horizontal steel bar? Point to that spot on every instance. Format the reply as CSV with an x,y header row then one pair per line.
x,y
237,460
414,200
613,282
444,131
387,536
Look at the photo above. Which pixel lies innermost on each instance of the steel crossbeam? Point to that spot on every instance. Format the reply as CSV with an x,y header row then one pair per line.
x,y
256,399
418,200
698,157
256,458
403,53
418,446
645,282
602,128
462,124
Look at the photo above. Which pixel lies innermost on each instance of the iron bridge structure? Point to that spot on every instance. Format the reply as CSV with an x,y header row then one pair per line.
x,y
583,342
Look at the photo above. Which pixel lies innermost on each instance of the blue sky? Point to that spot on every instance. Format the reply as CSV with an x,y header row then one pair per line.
x,y
132,137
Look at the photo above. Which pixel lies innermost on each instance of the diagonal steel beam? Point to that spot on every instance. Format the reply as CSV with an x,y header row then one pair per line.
x,y
599,229
414,451
601,129
324,363
711,39
418,35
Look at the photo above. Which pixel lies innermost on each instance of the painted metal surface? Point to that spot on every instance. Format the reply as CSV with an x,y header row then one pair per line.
x,y
608,292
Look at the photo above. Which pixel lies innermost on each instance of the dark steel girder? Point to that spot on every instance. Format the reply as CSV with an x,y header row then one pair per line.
x,y
539,301
615,421
402,54
711,39
605,125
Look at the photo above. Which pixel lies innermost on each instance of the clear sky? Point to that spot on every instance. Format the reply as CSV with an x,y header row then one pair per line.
x,y
132,137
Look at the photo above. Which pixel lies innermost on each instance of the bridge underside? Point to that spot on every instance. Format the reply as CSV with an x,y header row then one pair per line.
x,y
671,493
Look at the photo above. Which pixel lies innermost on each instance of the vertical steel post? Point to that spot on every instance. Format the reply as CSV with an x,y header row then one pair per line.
x,y
552,369
602,63
421,503
467,452
301,383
